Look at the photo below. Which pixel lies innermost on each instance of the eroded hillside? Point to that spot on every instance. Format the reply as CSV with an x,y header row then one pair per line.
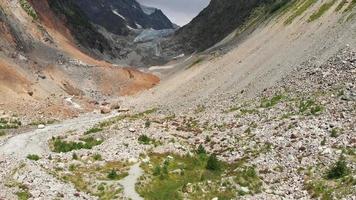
x,y
43,64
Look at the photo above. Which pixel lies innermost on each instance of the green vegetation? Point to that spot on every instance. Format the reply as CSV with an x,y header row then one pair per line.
x,y
173,175
337,183
93,130
147,123
300,10
338,170
267,103
29,9
92,179
199,60
190,125
350,6
23,195
2,133
310,107
113,175
9,123
44,122
33,157
335,132
97,157
114,120
340,5
213,163
277,5
59,145
320,189
325,7
201,150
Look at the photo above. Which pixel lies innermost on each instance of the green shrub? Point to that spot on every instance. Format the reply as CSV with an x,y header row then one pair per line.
x,y
97,157
112,175
157,171
338,170
144,139
147,124
213,163
63,146
33,157
201,150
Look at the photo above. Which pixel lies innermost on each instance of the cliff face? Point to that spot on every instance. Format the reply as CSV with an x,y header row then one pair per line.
x,y
120,16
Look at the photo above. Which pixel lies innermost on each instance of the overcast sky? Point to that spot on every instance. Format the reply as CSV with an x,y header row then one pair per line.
x,y
178,11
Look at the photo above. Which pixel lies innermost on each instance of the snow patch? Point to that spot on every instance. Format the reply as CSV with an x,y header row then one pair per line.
x,y
148,10
118,14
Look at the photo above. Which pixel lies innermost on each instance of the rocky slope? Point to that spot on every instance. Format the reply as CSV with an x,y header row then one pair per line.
x,y
219,19
270,115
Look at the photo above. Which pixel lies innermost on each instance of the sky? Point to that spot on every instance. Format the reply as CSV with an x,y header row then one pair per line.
x,y
180,12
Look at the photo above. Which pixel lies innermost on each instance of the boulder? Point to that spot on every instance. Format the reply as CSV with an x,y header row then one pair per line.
x,y
105,110
41,126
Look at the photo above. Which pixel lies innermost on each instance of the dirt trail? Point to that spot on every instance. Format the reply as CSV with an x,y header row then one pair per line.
x,y
35,142
130,181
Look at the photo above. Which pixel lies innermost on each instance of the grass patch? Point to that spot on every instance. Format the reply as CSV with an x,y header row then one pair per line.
x,y
33,157
23,195
173,175
337,182
350,6
144,139
277,5
59,145
9,123
28,9
114,120
267,103
44,122
300,10
97,157
94,179
340,5
325,7
310,107
93,130
338,170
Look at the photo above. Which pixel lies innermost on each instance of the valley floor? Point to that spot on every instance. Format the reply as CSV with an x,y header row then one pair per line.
x,y
286,143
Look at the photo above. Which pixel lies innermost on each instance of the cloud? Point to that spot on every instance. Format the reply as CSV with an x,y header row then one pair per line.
x,y
179,11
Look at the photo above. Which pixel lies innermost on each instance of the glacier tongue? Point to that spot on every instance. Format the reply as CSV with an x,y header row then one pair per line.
x,y
151,34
